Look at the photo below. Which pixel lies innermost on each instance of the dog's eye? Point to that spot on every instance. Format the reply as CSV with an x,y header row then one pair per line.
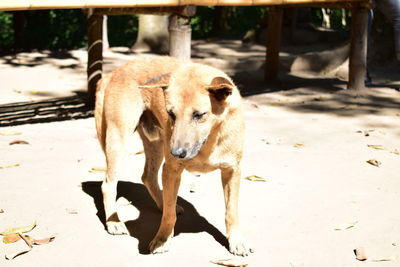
x,y
198,115
171,115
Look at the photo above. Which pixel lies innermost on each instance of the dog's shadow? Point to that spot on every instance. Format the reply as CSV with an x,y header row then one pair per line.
x,y
146,225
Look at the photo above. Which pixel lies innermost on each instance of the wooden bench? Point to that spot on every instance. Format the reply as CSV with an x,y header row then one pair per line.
x,y
180,12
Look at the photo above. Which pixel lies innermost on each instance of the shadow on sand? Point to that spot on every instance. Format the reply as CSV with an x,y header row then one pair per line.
x,y
146,225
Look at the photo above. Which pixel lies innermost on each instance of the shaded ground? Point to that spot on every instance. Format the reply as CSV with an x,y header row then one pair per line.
x,y
309,140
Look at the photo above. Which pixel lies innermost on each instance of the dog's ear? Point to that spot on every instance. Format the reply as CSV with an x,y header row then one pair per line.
x,y
220,88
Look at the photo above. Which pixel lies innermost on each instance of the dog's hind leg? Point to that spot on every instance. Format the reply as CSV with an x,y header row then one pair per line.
x,y
121,121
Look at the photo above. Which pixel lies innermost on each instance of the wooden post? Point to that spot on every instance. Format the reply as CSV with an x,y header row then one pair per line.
x,y
95,54
274,34
180,34
358,48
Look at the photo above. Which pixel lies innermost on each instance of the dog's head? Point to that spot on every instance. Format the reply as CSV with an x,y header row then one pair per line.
x,y
197,101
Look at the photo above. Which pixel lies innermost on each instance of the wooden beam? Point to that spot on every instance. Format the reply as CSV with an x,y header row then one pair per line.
x,y
358,48
185,11
180,34
95,55
10,5
274,35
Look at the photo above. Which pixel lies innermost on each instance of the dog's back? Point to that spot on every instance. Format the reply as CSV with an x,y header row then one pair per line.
x,y
122,83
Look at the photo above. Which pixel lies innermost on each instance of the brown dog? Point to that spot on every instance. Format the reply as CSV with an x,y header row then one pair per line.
x,y
188,114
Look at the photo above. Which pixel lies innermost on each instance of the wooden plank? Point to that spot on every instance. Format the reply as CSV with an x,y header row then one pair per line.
x,y
180,34
186,11
358,48
274,35
51,4
95,54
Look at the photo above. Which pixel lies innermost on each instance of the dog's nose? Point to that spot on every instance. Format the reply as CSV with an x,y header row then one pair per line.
x,y
179,152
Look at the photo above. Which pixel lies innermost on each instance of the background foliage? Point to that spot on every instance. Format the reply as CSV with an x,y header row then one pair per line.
x,y
66,29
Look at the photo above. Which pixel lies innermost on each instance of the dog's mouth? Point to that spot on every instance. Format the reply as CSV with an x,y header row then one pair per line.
x,y
184,153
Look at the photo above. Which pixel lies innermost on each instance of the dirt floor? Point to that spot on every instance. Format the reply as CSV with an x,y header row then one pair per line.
x,y
307,137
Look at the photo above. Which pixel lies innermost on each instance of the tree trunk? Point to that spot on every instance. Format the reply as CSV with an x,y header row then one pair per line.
x,y
153,34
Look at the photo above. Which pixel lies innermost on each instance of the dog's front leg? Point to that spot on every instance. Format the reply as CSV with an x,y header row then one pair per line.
x,y
171,177
231,181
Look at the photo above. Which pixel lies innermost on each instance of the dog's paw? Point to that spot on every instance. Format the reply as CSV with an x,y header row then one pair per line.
x,y
159,245
116,228
238,246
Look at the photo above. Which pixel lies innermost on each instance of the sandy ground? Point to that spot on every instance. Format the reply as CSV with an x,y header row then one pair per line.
x,y
309,141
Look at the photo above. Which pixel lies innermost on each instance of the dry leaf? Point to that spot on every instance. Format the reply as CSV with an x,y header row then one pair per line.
x,y
360,254
395,151
346,226
139,152
23,229
9,133
391,258
17,91
11,238
34,92
374,162
44,240
378,147
1,211
19,142
235,262
13,255
298,145
10,166
71,211
255,178
28,240
98,169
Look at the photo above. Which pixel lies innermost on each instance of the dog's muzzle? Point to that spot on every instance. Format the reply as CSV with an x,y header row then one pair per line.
x,y
187,153
179,152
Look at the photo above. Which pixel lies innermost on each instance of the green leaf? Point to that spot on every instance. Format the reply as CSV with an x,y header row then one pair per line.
x,y
23,229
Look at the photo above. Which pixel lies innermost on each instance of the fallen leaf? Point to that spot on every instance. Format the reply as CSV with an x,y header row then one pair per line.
x,y
391,258
139,152
34,92
44,240
230,262
395,151
378,147
360,254
9,133
23,229
255,178
1,211
71,211
374,162
346,226
28,240
19,142
254,105
11,238
17,91
10,166
98,169
298,145
13,255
